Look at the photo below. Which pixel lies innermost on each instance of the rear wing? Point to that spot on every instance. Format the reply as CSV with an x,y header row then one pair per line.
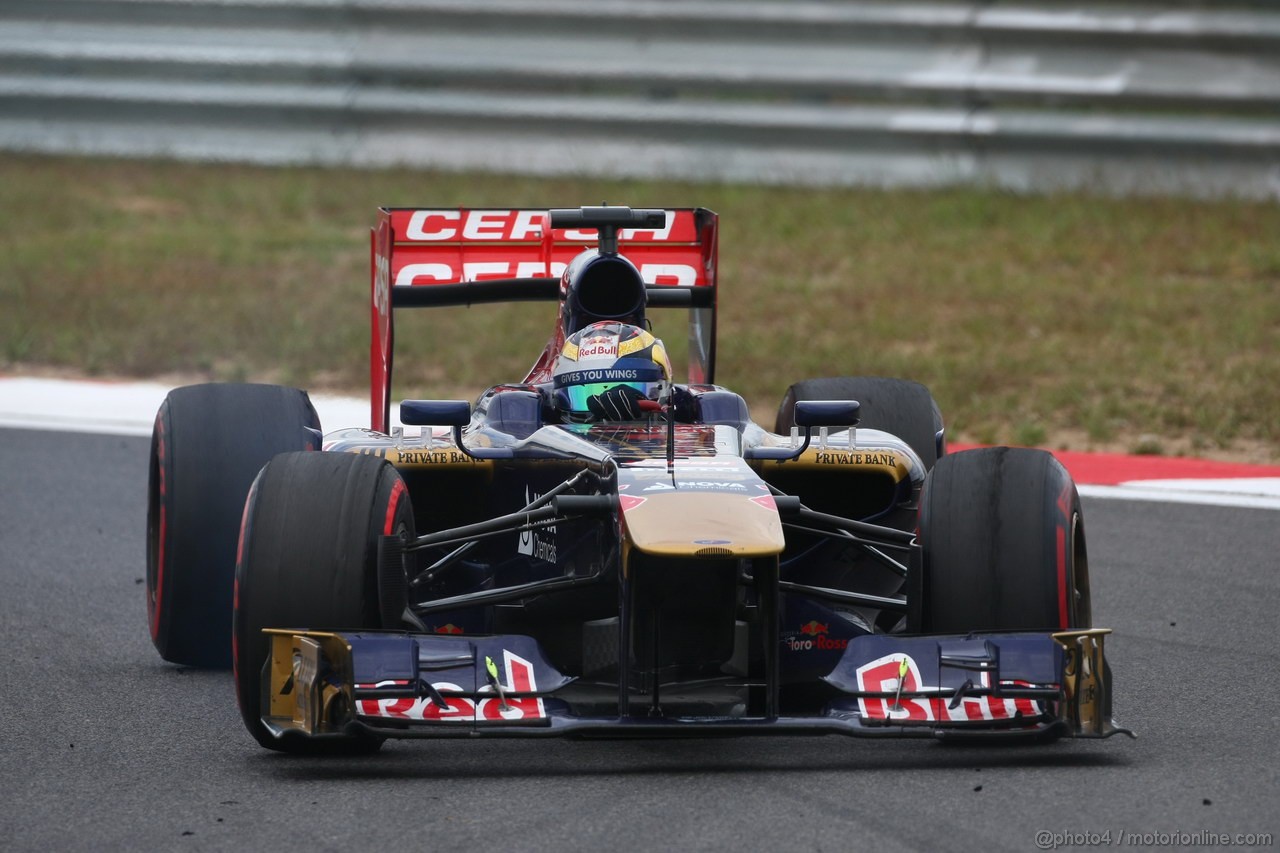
x,y
469,256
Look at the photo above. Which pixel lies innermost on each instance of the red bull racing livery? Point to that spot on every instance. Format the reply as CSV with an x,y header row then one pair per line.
x,y
610,545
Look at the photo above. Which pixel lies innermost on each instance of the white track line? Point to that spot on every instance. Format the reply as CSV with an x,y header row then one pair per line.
x,y
1157,492
123,408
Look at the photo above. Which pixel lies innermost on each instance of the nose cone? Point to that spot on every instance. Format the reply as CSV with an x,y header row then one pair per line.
x,y
702,506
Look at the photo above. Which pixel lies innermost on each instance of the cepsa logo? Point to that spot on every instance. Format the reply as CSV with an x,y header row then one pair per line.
x,y
667,275
505,226
441,235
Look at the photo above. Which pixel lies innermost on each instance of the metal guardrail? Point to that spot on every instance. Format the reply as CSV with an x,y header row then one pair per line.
x,y
1142,98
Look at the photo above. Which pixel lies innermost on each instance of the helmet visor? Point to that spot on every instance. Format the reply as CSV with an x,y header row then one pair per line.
x,y
576,396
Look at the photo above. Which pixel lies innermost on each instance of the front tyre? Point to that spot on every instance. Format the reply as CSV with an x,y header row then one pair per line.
x,y
1003,545
208,444
309,560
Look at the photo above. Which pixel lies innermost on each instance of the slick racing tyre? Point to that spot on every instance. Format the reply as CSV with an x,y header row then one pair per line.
x,y
208,443
897,406
1003,545
308,559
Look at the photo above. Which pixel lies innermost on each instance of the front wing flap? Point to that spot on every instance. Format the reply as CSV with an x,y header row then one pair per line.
x,y
324,684
979,683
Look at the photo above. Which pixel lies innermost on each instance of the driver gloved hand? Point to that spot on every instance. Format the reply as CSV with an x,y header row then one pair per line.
x,y
619,403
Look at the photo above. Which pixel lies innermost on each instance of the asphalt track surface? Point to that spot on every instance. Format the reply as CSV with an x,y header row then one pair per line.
x,y
106,747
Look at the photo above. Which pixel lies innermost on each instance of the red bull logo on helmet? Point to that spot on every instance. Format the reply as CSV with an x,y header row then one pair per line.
x,y
599,346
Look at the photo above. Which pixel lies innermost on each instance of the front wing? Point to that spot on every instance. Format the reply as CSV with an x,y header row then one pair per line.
x,y
417,685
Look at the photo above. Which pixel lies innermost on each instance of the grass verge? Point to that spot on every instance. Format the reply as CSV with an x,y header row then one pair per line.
x,y
1068,320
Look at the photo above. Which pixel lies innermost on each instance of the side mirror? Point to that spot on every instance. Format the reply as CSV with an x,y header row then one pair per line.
x,y
450,413
827,413
810,414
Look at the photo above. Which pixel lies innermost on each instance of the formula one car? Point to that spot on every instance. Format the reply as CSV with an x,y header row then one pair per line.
x,y
601,550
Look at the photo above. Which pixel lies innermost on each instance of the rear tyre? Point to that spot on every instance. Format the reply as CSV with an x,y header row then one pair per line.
x,y
1003,545
208,443
309,560
897,406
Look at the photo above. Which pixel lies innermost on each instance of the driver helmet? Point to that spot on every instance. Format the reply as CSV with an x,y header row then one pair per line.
x,y
602,356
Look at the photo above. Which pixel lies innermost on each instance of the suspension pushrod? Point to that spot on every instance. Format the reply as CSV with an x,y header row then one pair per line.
x,y
503,594
877,533
872,548
521,528
845,597
503,524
